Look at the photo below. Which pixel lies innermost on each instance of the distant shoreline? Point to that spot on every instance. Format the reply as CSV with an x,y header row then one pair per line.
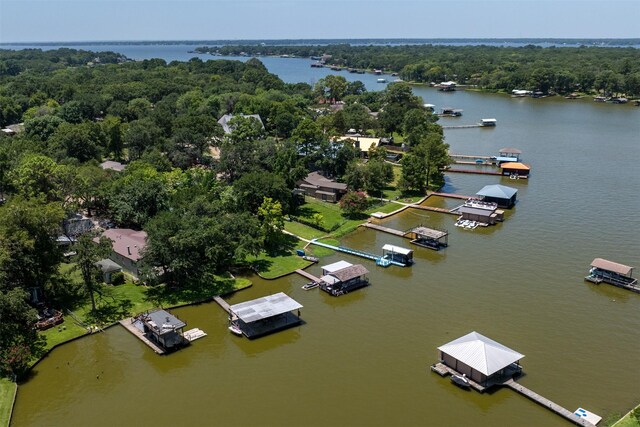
x,y
557,42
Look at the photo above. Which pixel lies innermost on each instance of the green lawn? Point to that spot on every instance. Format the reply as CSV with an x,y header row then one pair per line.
x,y
303,230
63,332
7,392
632,419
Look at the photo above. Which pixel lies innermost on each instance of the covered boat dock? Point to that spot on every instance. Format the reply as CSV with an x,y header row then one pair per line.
x,y
428,237
610,272
504,196
339,281
515,170
265,315
397,253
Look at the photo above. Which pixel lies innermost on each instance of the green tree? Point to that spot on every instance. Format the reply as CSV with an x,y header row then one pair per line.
x,y
83,141
88,253
306,135
353,203
19,341
272,222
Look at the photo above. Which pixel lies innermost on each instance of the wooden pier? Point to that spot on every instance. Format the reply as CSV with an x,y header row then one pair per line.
x,y
384,229
222,303
129,326
463,126
554,407
444,371
308,275
473,172
468,156
434,209
453,196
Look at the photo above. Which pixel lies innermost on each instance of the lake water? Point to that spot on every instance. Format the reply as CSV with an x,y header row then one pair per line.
x,y
363,359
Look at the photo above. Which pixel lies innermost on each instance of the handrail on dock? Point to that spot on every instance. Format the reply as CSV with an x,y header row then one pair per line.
x,y
356,252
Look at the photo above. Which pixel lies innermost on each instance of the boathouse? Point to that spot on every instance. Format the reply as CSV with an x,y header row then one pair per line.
x,y
265,315
620,275
482,359
486,213
344,280
397,254
515,170
162,328
503,196
488,122
322,188
510,152
428,237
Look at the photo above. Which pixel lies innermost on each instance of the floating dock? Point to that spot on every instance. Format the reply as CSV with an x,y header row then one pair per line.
x,y
434,209
194,334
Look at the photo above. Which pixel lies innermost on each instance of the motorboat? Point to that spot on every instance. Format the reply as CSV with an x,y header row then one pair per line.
x,y
235,329
460,381
310,258
310,286
382,80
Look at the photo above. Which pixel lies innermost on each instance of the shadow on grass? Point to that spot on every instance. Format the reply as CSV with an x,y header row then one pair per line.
x,y
167,295
110,311
285,247
305,212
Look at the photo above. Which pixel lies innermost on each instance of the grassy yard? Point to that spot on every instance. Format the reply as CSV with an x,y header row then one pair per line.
x,y
632,419
117,302
7,392
303,230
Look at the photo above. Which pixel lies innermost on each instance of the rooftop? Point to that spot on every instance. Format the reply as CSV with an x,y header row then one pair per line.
x,y
397,249
265,307
481,353
364,142
429,232
224,120
110,164
336,266
497,191
612,266
509,150
350,272
515,165
314,178
476,211
126,242
163,321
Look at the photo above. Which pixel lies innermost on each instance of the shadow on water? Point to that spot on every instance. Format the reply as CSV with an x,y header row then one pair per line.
x,y
257,346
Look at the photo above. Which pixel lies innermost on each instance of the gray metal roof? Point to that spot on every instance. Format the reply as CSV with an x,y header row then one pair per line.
x,y
429,232
475,211
481,353
224,121
265,307
497,191
164,321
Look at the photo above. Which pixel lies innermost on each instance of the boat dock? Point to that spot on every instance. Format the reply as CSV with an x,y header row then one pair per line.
x,y
468,156
222,303
308,275
434,209
463,126
453,196
443,370
473,172
384,229
128,324
554,407
377,258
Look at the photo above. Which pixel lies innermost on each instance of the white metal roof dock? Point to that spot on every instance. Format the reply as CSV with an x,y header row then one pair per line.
x,y
397,249
335,267
265,307
481,353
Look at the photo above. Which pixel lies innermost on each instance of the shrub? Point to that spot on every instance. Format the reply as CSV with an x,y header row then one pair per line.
x,y
117,278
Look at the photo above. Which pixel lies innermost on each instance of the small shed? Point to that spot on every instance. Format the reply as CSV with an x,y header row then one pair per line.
x,y
480,358
503,196
515,169
108,267
265,315
397,254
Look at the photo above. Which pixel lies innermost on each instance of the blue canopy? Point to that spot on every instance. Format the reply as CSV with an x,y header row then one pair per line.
x,y
498,191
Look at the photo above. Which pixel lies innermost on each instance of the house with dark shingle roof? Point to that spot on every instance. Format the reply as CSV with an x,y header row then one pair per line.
x,y
322,188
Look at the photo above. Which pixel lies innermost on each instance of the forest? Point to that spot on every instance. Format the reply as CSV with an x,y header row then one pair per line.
x,y
561,70
209,201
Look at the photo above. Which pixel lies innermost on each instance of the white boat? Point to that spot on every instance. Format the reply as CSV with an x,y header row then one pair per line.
x,y
460,381
235,329
310,285
382,80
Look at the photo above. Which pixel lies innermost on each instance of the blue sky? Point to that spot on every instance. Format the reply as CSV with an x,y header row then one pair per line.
x,y
95,20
